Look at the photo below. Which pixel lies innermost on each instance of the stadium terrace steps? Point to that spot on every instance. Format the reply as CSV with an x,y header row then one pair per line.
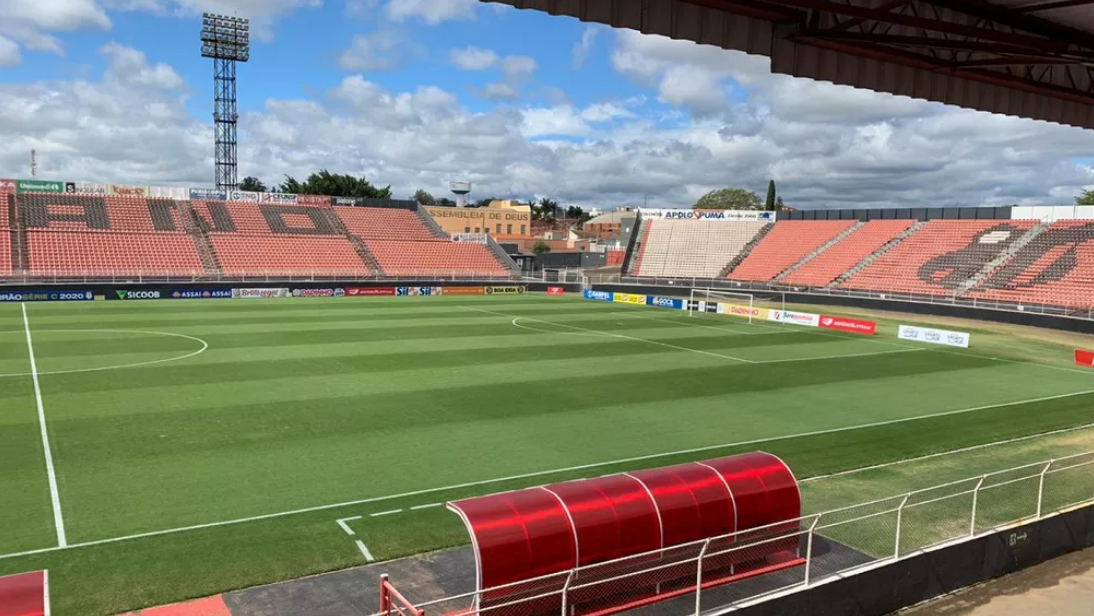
x,y
747,250
1003,257
12,239
788,243
850,249
877,254
639,246
432,224
937,258
1056,267
693,248
819,251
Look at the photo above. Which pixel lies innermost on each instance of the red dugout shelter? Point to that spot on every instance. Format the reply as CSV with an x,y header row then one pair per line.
x,y
535,532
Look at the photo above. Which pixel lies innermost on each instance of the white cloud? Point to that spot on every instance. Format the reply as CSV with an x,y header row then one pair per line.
x,y
473,58
499,92
9,53
514,66
604,112
380,50
433,12
127,66
584,46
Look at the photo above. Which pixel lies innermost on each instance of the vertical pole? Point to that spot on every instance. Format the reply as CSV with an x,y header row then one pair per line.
x,y
1041,488
809,550
385,602
899,520
566,589
699,577
975,499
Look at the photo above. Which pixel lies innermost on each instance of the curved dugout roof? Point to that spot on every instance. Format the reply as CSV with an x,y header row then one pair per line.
x,y
1028,58
535,532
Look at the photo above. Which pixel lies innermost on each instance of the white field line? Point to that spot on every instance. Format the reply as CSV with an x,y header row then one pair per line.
x,y
383,513
727,328
429,506
54,494
582,467
611,335
345,527
786,361
942,454
204,346
516,323
364,550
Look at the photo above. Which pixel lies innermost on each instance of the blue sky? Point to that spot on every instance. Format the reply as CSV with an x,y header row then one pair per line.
x,y
415,93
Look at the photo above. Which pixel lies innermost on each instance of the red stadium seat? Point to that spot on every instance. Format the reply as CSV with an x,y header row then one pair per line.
x,y
849,252
789,242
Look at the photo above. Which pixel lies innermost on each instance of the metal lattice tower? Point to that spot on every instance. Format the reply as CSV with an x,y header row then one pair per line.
x,y
226,40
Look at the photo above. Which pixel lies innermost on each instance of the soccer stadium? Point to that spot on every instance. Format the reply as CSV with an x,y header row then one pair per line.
x,y
224,402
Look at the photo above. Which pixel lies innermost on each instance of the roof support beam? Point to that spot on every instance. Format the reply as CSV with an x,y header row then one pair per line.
x,y
929,42
1007,16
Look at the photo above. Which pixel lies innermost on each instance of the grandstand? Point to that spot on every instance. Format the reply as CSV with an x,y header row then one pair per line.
x,y
691,248
85,236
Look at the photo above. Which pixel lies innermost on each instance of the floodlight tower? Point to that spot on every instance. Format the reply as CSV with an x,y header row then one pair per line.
x,y
226,40
460,189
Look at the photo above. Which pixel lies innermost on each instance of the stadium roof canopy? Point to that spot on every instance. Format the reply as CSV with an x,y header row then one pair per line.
x,y
1028,58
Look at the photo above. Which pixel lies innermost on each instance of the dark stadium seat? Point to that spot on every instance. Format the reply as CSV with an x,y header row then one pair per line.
x,y
849,252
789,242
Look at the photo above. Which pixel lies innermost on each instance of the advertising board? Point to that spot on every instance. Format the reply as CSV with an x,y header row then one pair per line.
x,y
46,296
806,319
702,305
665,302
505,290
934,336
85,188
740,310
599,296
198,294
127,294
418,291
1084,358
207,194
369,291
627,298
463,291
845,324
556,291
319,292
7,187
259,293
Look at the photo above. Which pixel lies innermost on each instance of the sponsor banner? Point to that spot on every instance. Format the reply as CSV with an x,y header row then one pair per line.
x,y
85,188
313,200
198,294
934,336
244,195
665,302
807,319
343,200
556,291
169,192
418,291
46,296
38,186
320,292
740,310
123,190
369,291
259,293
278,198
469,238
600,296
627,298
844,324
7,187
207,194
1084,358
702,306
136,294
713,215
505,290
464,291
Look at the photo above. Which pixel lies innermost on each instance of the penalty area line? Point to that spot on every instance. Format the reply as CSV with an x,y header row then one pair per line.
x,y
545,473
54,493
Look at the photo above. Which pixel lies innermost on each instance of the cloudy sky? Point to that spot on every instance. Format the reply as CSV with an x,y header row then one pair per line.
x,y
415,93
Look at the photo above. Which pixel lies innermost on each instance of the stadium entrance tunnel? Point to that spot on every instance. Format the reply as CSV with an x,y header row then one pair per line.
x,y
622,541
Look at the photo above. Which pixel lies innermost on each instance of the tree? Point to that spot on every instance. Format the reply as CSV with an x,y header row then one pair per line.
x,y
1085,198
779,206
545,210
423,198
252,184
335,185
729,199
770,204
541,248
485,202
445,202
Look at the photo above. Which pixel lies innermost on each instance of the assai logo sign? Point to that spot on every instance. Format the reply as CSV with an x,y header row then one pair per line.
x,y
200,294
125,294
600,296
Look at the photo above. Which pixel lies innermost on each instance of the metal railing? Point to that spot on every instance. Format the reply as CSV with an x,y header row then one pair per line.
x,y
70,277
721,572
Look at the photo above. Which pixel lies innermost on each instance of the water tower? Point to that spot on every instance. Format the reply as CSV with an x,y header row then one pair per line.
x,y
460,189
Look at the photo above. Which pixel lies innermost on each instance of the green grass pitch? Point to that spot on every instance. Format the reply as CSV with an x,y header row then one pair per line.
x,y
210,419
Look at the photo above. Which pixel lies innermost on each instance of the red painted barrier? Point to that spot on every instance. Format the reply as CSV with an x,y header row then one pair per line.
x,y
1084,358
24,594
846,324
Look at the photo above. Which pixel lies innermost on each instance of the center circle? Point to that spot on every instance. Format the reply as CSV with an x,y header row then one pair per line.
x,y
43,337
